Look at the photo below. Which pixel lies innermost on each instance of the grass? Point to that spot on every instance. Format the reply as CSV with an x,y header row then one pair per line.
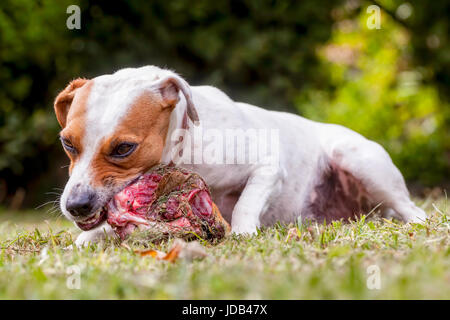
x,y
282,262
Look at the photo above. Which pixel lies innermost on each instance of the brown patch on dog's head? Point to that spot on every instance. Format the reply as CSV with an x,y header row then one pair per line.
x,y
145,125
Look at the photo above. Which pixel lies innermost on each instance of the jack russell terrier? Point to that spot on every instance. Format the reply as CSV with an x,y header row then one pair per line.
x,y
116,127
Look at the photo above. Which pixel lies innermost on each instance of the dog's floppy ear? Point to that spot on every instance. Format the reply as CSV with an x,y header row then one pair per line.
x,y
169,87
64,100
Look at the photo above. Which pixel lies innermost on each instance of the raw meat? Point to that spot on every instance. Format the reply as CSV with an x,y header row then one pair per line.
x,y
167,201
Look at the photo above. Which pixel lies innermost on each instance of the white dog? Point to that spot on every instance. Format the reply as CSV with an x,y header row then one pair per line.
x,y
116,127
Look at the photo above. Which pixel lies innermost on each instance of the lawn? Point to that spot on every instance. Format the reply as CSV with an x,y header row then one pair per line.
x,y
337,261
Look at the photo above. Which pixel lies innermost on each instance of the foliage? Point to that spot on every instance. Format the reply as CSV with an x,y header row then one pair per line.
x,y
32,55
376,90
262,52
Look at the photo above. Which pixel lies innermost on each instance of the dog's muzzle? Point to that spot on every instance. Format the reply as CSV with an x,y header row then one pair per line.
x,y
82,205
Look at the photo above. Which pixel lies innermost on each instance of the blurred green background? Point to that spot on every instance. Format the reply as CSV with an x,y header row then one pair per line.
x,y
316,58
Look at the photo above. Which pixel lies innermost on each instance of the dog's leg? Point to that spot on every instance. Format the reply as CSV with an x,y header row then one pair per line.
x,y
371,164
95,235
262,185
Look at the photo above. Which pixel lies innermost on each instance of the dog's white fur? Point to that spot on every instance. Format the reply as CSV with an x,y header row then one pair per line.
x,y
267,195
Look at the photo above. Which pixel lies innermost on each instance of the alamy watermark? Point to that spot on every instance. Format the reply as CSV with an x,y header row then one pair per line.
x,y
373,277
226,146
73,281
74,20
374,20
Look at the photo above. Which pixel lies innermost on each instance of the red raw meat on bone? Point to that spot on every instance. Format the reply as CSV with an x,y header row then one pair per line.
x,y
168,201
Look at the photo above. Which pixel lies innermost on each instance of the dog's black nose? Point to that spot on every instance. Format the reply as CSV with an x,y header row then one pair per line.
x,y
80,204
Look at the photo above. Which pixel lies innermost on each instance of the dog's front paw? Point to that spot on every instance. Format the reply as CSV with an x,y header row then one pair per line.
x,y
85,239
244,230
93,236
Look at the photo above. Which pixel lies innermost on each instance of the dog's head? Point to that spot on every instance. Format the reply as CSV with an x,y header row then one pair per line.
x,y
113,129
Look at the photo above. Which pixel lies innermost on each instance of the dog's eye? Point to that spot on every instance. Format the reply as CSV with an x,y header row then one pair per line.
x,y
123,150
68,145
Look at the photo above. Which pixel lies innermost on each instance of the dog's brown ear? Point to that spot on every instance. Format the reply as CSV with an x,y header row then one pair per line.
x,y
170,87
64,100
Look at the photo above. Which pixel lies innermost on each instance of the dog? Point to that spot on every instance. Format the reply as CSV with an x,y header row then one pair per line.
x,y
116,127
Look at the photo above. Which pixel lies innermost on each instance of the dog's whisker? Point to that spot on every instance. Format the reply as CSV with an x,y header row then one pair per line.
x,y
53,193
45,204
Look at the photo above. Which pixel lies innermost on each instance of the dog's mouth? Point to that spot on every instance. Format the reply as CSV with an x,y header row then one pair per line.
x,y
94,220
102,214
